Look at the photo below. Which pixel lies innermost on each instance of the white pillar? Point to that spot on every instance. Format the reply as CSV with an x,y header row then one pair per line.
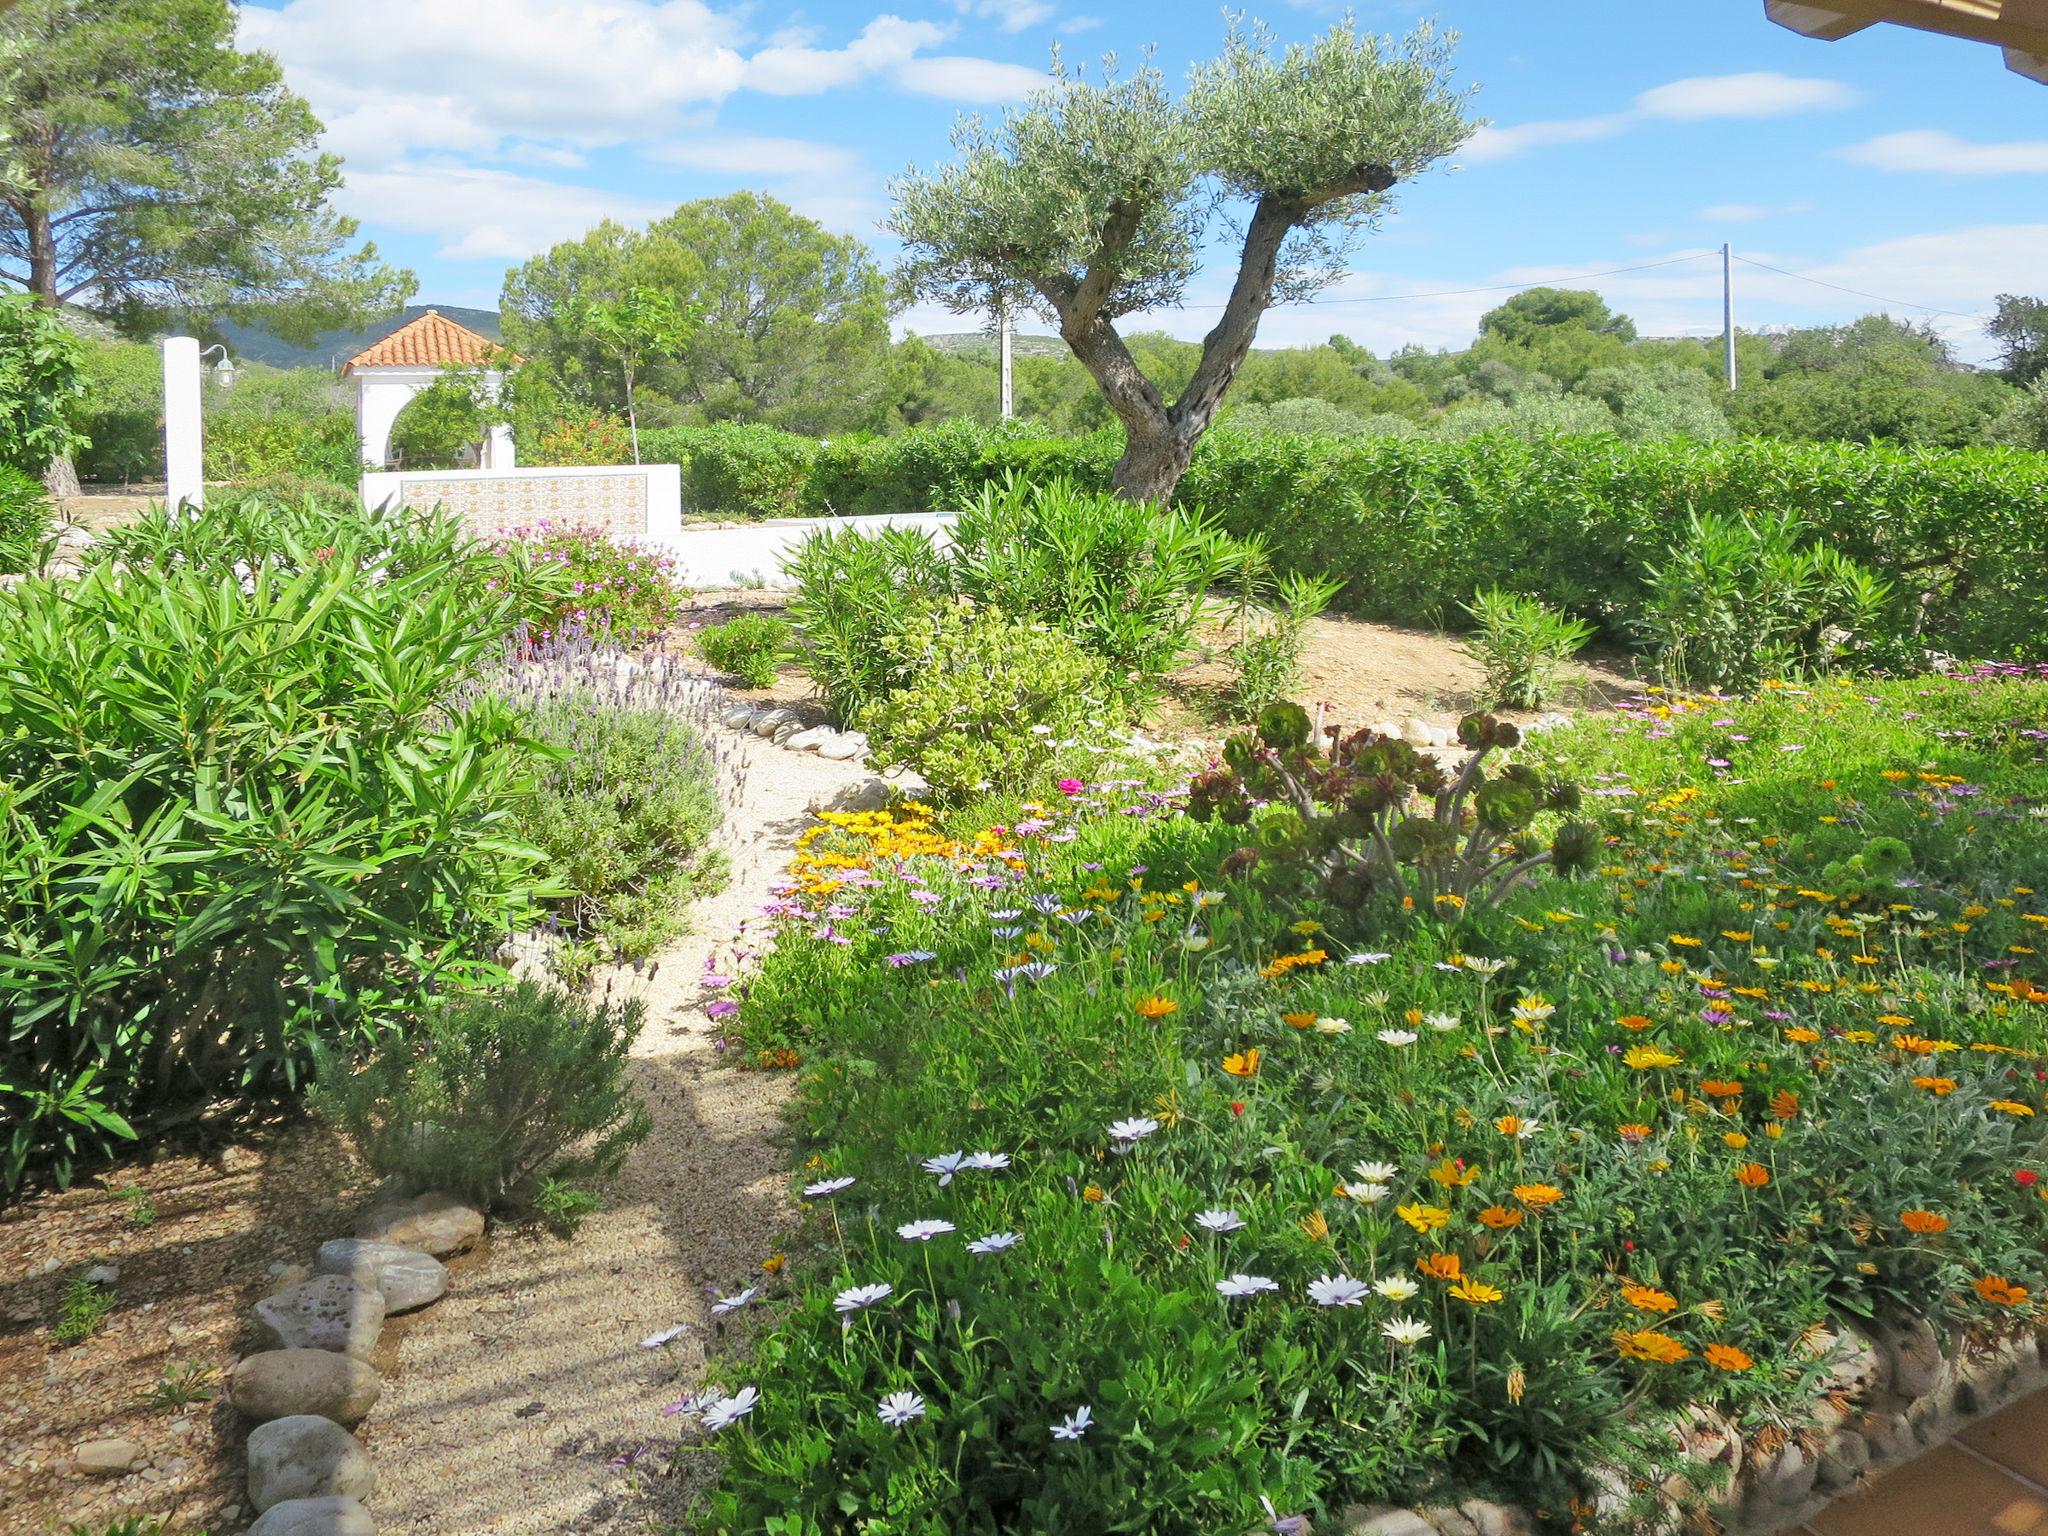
x,y
184,454
498,451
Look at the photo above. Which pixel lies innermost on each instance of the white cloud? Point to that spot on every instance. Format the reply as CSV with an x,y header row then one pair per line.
x,y
1502,143
486,215
392,77
1946,155
743,154
804,70
1078,24
1750,213
958,78
1010,15
1757,94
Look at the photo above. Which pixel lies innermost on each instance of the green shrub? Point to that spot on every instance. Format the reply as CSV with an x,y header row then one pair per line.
x,y
1741,600
42,385
734,469
854,594
1521,643
247,443
748,647
990,704
586,440
24,520
492,1096
1266,657
241,809
1125,581
626,804
625,592
122,413
332,496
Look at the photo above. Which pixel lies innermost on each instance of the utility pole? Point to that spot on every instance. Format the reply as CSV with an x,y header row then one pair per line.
x,y
1003,356
1728,310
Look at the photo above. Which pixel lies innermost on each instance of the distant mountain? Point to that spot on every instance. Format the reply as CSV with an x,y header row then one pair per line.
x,y
980,343
333,348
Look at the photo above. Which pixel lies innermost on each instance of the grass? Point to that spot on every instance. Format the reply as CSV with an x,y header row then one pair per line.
x,y
1648,1139
81,1309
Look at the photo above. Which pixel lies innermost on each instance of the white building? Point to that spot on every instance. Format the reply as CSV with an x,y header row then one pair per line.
x,y
395,369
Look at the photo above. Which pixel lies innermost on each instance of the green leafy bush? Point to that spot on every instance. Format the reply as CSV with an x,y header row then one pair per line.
x,y
748,647
1741,600
735,469
42,383
248,443
241,809
81,1309
585,440
626,803
855,593
121,414
627,592
1521,643
1415,527
1125,581
990,703
1266,656
24,520
492,1096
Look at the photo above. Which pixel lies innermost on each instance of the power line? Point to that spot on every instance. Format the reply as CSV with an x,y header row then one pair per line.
x,y
1874,297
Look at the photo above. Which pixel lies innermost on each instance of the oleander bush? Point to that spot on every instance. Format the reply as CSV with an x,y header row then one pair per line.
x,y
749,647
855,593
243,809
1142,1196
24,520
1523,644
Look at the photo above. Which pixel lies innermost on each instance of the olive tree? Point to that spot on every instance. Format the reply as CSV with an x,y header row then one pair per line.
x,y
1096,201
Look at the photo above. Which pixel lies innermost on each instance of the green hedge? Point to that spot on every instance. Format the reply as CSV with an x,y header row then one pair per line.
x,y
1415,526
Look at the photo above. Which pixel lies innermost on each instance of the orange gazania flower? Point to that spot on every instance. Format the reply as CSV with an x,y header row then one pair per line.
x,y
1721,1088
1752,1175
1477,1292
1242,1063
1916,1045
1938,1086
1500,1218
1647,1298
1092,1194
1726,1357
2011,1107
1924,1223
1785,1104
1634,1021
1648,1344
1633,1133
1315,1226
1509,1125
1298,1020
1650,1058
1999,1291
1441,1266
1799,1034
1156,1007
1538,1196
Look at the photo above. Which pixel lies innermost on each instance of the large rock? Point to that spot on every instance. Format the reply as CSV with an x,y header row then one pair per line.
x,y
766,723
810,740
1856,1367
405,1277
1497,1519
306,1458
1846,1458
315,1517
106,1458
844,748
1913,1357
434,1223
290,1383
326,1312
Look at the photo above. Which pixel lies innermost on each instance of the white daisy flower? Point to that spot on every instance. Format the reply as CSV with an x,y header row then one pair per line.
x,y
824,1187
1375,1173
1246,1285
1338,1291
923,1231
859,1298
1074,1425
726,1304
1367,1194
1442,1023
730,1410
1333,1026
995,1242
1135,1129
945,1166
987,1162
899,1408
1219,1221
1405,1331
1362,957
1396,1287
1398,1038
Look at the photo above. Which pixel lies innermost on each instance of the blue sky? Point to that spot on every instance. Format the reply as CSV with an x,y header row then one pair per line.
x,y
1624,133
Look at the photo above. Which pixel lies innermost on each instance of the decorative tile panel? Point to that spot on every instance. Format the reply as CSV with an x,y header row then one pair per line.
x,y
613,504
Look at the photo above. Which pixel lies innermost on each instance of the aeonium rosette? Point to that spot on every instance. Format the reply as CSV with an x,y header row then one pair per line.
x,y
1365,812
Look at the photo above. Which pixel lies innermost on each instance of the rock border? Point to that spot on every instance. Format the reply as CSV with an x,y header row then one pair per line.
x,y
1882,1399
308,1474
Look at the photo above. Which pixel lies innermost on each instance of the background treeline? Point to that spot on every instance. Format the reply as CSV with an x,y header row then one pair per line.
x,y
792,331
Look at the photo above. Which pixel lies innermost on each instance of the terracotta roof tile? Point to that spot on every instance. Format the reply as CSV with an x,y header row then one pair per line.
x,y
431,341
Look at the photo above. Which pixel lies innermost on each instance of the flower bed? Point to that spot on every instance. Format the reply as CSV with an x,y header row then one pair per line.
x,y
1146,1199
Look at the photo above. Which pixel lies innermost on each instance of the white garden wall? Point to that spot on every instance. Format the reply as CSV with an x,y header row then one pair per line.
x,y
751,554
626,501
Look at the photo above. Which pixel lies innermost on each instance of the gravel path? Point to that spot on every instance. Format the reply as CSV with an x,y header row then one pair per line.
x,y
505,1403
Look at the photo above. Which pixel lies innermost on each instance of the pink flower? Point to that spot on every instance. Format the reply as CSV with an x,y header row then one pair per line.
x,y
1071,786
